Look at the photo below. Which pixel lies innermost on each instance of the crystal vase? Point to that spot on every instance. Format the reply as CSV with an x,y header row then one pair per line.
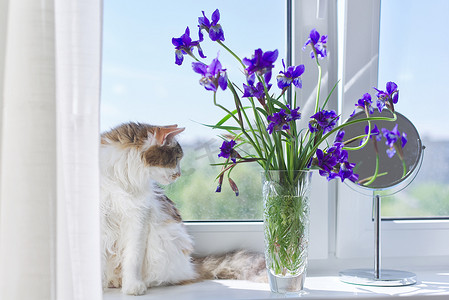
x,y
286,228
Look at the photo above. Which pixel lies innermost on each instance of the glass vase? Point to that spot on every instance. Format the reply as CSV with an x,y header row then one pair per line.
x,y
286,228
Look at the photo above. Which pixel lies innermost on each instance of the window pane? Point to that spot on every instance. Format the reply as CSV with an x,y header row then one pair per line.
x,y
142,83
412,44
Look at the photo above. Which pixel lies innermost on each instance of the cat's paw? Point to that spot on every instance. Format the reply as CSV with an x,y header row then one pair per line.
x,y
134,287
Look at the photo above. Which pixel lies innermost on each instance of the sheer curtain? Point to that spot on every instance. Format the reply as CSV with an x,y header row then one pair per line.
x,y
49,179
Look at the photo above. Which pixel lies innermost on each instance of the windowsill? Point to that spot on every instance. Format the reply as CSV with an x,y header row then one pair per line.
x,y
431,285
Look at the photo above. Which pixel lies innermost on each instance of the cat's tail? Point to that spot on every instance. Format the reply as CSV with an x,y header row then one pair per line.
x,y
237,265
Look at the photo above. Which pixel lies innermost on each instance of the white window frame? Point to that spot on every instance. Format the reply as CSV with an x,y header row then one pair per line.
x,y
355,231
220,237
341,226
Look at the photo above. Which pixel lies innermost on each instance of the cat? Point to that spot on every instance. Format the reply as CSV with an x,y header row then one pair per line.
x,y
144,241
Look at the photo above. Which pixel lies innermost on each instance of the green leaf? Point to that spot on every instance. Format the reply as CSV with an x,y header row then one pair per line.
x,y
328,96
287,136
228,116
280,104
223,127
270,158
263,111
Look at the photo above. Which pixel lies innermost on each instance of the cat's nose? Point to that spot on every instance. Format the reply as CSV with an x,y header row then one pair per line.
x,y
176,175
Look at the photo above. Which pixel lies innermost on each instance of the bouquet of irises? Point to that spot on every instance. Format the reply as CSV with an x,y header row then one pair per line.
x,y
268,123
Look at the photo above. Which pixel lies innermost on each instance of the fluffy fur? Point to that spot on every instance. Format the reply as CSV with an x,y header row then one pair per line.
x,y
144,242
242,265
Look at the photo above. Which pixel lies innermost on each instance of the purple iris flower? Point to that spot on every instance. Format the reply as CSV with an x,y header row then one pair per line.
x,y
334,163
326,162
294,114
363,102
227,150
220,183
213,75
394,140
375,134
338,152
256,91
213,28
289,76
339,137
347,172
234,187
323,120
318,44
184,45
389,97
261,63
279,121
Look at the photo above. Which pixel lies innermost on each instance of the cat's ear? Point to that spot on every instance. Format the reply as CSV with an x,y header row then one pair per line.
x,y
165,135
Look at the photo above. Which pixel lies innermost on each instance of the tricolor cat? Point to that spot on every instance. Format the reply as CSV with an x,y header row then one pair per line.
x,y
144,241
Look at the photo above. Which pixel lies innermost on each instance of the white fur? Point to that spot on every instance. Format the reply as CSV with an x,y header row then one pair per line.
x,y
141,247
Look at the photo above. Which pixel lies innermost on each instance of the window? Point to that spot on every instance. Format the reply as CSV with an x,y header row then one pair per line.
x,y
420,75
141,82
367,65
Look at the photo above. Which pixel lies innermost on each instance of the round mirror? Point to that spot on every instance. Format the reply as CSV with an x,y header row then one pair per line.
x,y
388,162
381,164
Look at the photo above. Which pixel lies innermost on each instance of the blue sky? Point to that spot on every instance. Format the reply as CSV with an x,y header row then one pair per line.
x,y
413,53
140,79
142,83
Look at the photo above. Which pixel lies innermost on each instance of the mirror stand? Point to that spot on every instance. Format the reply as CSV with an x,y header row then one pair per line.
x,y
377,276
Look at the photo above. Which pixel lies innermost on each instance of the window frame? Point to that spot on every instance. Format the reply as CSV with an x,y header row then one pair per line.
x,y
355,229
341,225
219,237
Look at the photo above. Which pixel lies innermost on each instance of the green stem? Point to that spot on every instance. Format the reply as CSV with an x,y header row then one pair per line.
x,y
404,168
354,139
232,53
225,109
258,148
360,146
323,138
330,94
282,94
376,171
193,56
362,182
317,101
367,136
261,127
240,122
255,144
279,149
237,102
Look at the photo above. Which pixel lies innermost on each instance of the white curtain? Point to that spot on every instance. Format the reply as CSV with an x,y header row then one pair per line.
x,y
49,136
